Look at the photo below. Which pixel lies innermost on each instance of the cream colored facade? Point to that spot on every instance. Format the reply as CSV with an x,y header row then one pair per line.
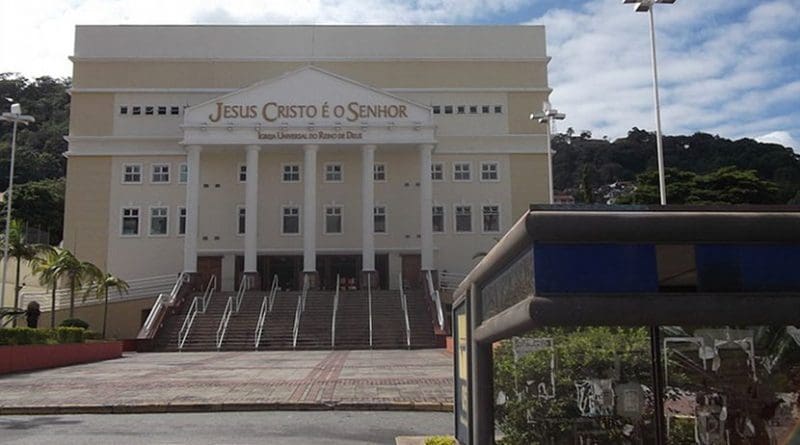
x,y
166,118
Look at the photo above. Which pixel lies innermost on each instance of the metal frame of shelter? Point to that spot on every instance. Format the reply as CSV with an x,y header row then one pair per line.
x,y
510,309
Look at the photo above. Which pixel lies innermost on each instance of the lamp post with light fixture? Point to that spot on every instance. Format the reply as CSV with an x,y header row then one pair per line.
x,y
547,116
16,117
647,6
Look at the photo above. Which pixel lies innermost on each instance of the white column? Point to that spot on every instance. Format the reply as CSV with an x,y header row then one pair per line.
x,y
192,203
310,208
368,208
426,206
251,210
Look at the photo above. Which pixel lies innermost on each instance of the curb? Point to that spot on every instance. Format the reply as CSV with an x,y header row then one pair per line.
x,y
223,407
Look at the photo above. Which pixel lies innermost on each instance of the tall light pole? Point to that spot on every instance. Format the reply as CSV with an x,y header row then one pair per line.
x,y
16,117
647,6
546,117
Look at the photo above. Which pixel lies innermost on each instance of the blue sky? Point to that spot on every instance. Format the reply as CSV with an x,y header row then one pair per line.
x,y
727,67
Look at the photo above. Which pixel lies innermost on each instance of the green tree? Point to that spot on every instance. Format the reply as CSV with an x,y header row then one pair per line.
x,y
41,204
101,287
46,266
79,274
21,250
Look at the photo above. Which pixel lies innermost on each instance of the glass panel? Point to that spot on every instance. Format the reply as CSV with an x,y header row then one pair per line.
x,y
510,287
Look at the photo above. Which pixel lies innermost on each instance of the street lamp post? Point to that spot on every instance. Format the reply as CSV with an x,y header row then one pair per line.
x,y
546,117
16,117
647,6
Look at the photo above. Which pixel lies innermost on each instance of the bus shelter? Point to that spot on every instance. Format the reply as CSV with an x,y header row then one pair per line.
x,y
640,326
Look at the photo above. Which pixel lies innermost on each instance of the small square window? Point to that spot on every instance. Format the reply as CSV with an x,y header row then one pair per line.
x,y
181,220
123,109
491,218
473,109
461,109
380,219
158,221
438,219
137,110
240,220
489,171
130,221
498,109
464,218
162,110
462,171
132,174
333,173
437,171
290,224
437,109
291,173
333,220
485,109
160,173
448,109
183,173
242,173
174,110
148,111
379,172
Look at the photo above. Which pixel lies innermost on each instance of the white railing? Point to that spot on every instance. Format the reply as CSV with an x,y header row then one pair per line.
x,y
335,310
450,280
199,304
137,289
266,306
369,303
209,292
404,305
163,300
301,306
437,300
240,292
223,322
158,306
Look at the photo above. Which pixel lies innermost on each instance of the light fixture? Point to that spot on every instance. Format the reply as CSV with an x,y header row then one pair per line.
x,y
546,117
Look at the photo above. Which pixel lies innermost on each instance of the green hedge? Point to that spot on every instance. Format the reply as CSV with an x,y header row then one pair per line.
x,y
28,336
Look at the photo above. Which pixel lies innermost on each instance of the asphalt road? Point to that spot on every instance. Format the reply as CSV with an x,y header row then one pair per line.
x,y
321,427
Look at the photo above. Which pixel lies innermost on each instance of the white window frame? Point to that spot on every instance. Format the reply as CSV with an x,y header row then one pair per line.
x,y
325,219
496,171
153,172
471,219
341,172
122,222
469,166
124,172
299,220
183,173
150,221
239,209
181,209
444,218
385,219
286,165
375,170
499,218
441,172
241,169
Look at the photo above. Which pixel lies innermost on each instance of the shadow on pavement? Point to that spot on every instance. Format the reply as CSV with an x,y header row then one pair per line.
x,y
35,422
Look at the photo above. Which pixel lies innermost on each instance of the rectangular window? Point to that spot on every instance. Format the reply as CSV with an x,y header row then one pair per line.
x,y
291,173
183,173
123,109
333,219
489,171
137,110
291,220
379,172
448,109
160,173
148,111
485,109
242,173
159,221
380,219
461,109
240,220
437,109
473,109
132,173
437,171
498,109
491,219
181,220
162,110
463,218
173,110
438,219
130,221
333,172
462,171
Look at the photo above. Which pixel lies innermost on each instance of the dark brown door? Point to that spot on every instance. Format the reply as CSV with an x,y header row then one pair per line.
x,y
412,275
208,266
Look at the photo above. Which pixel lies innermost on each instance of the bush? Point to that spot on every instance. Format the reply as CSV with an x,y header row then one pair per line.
x,y
440,440
75,323
69,335
92,335
24,336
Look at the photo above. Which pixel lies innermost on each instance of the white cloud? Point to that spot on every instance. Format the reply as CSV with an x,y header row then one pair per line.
x,y
780,137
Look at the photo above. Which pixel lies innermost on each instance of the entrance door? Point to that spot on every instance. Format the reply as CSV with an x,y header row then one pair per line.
x,y
288,269
412,271
208,266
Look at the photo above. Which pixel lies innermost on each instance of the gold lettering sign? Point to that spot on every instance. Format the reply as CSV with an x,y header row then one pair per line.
x,y
274,111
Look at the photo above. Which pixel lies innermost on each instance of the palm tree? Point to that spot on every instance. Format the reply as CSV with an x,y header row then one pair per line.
x,y
46,266
101,286
64,263
19,249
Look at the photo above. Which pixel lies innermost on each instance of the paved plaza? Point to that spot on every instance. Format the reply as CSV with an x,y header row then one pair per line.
x,y
222,381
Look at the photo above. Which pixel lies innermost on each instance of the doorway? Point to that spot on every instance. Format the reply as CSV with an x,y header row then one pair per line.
x,y
206,267
348,267
412,271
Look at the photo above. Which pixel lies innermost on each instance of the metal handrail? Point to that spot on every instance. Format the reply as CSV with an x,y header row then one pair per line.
x,y
404,305
188,321
301,306
159,306
173,293
369,303
209,292
223,322
437,300
266,306
240,292
335,310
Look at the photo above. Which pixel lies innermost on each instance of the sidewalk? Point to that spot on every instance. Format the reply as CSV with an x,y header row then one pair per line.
x,y
238,381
